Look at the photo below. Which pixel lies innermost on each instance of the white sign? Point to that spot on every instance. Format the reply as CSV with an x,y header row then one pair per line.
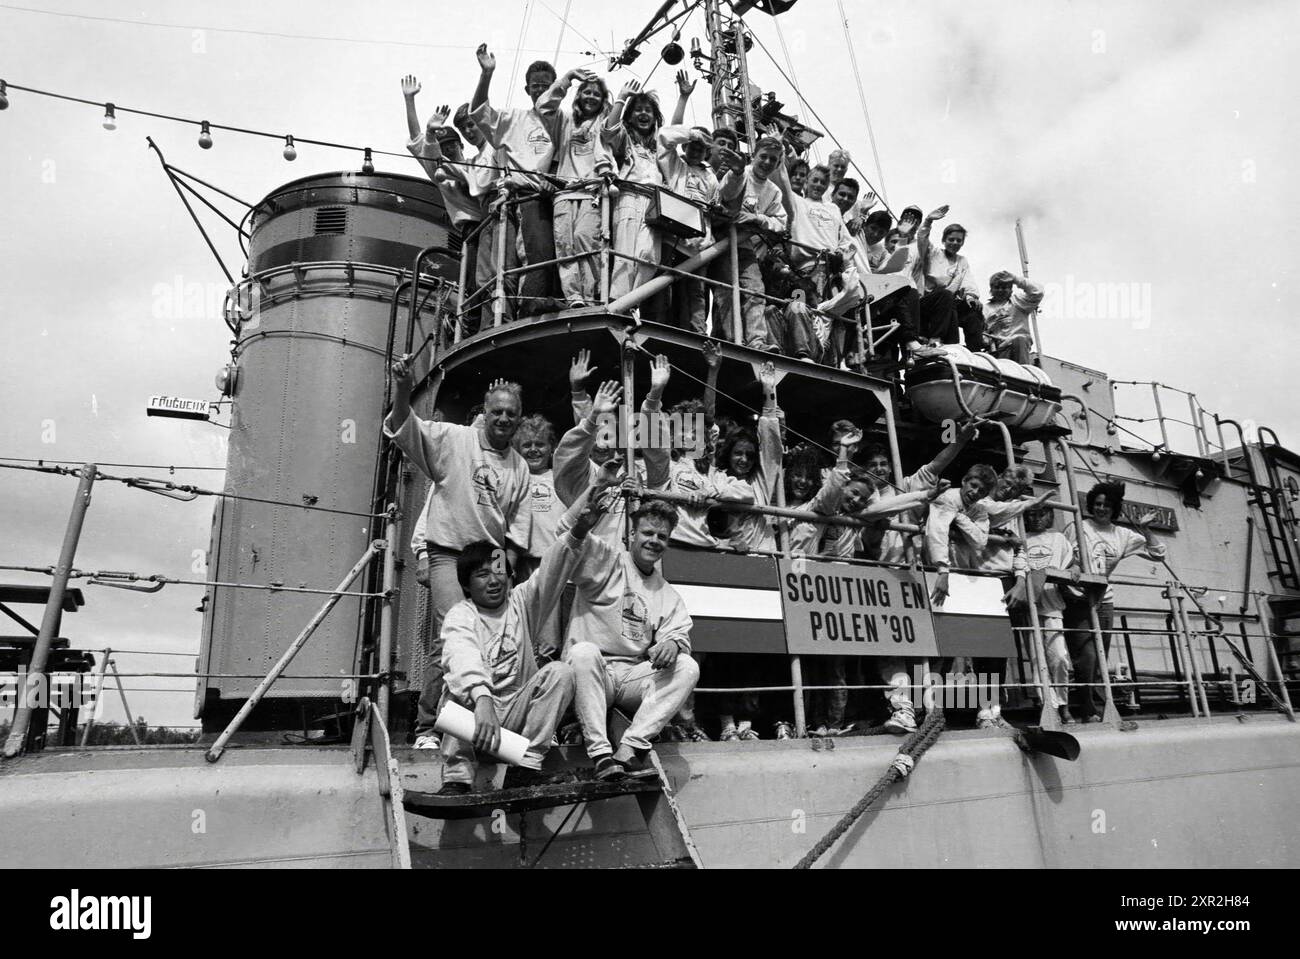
x,y
177,407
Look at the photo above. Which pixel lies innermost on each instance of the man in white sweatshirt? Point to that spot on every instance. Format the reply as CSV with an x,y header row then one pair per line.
x,y
631,643
480,492
488,659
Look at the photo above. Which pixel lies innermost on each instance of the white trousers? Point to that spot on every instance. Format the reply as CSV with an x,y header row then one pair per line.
x,y
1059,666
655,694
577,230
632,236
534,711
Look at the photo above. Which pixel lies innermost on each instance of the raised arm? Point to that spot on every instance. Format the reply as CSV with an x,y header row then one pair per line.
x,y
410,87
923,234
712,360
487,65
572,461
580,399
541,592
685,87
613,127
965,433
771,453
656,445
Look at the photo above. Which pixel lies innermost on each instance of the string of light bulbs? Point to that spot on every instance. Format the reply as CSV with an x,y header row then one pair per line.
x,y
205,139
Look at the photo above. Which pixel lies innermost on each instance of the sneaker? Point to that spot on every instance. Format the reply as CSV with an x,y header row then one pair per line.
x,y
428,741
745,732
729,735
638,767
454,789
784,731
608,768
694,734
902,721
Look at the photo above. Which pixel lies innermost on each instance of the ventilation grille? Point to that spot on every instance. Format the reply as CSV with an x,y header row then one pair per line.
x,y
331,219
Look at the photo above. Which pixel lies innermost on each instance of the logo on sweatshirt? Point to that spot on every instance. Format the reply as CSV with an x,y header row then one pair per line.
x,y
634,617
543,496
487,481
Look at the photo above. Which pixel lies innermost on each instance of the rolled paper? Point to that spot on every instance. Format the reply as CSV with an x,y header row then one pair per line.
x,y
456,720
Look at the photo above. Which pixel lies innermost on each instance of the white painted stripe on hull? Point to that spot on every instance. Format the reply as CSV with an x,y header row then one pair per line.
x,y
728,603
971,595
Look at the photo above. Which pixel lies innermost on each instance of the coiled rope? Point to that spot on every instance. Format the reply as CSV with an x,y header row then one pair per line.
x,y
912,750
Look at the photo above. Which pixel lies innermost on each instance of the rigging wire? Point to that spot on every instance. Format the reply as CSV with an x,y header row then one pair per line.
x,y
862,97
785,52
133,466
817,117
514,70
154,485
270,33
564,24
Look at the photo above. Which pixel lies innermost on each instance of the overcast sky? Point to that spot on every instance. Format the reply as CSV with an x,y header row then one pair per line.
x,y
1142,143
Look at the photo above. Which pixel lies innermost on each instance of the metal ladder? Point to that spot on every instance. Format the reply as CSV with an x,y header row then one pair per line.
x,y
674,847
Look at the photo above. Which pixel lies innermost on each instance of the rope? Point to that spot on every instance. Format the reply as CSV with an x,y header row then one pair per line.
x,y
853,59
912,750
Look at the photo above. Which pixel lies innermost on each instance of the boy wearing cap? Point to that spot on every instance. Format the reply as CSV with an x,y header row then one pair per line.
x,y
438,148
1006,318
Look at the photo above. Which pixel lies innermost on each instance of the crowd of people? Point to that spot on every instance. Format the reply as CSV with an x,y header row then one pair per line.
x,y
541,552
816,253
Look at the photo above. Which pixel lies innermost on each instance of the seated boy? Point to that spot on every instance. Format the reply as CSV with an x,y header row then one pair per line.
x,y
631,643
488,659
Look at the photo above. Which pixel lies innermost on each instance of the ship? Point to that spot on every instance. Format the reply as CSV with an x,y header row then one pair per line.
x,y
316,631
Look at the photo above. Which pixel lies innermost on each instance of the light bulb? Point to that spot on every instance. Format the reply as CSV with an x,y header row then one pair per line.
x,y
367,162
110,117
290,151
4,100
673,53
205,136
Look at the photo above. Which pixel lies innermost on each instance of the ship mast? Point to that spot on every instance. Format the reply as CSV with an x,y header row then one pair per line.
x,y
729,70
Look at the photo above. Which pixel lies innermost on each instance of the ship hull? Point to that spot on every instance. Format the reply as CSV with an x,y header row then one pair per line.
x,y
1166,794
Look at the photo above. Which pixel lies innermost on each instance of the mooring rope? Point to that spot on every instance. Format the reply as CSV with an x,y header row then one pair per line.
x,y
912,750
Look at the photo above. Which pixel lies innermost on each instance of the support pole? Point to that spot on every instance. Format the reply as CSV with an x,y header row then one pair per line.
x,y
606,240
625,423
385,653
1193,661
15,744
1171,589
1111,714
1160,417
737,319
1050,718
462,281
99,693
121,691
499,292
1024,271
742,82
1272,653
218,747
